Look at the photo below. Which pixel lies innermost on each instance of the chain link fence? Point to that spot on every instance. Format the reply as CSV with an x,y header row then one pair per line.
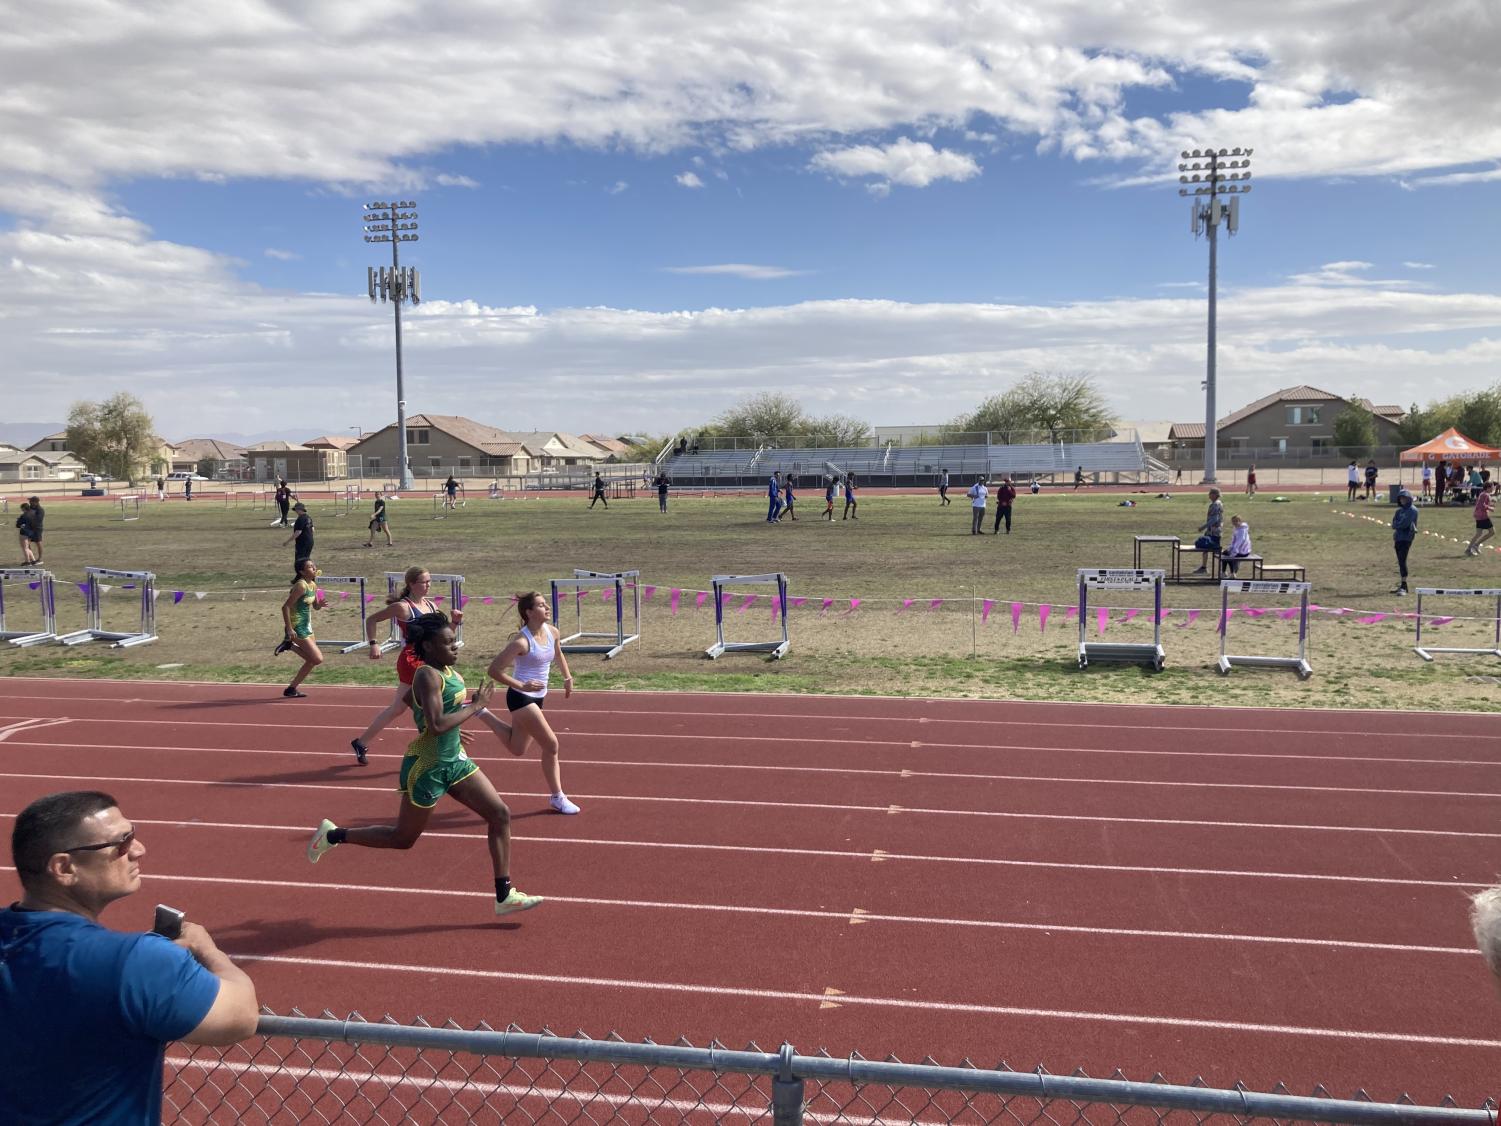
x,y
325,1070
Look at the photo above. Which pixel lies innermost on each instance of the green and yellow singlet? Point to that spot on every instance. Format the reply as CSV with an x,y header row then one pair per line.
x,y
432,747
302,610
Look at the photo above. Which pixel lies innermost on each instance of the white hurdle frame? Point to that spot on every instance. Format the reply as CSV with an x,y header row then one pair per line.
x,y
610,644
47,595
345,503
394,579
130,504
1298,664
1121,652
358,583
777,649
1427,651
94,610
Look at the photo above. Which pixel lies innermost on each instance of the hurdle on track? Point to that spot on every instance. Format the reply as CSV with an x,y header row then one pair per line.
x,y
343,503
357,592
1427,651
41,580
257,499
587,641
1298,664
130,507
777,649
93,604
441,508
1121,652
394,579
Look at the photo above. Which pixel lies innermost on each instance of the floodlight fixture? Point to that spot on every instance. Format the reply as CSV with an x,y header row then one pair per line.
x,y
396,285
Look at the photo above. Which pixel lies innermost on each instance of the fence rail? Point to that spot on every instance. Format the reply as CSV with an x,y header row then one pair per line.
x,y
334,1071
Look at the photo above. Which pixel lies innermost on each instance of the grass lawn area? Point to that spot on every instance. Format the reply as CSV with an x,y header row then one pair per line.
x,y
902,548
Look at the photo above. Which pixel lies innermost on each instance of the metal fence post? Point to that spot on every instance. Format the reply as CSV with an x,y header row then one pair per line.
x,y
786,1092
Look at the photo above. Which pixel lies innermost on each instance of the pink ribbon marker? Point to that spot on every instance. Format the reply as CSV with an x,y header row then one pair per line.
x,y
677,596
1101,619
1042,617
1016,616
986,605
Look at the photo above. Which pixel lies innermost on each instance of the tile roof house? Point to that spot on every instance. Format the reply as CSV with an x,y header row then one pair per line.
x,y
1294,419
440,444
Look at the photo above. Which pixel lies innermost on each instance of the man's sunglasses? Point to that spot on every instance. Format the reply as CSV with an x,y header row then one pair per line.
x,y
121,846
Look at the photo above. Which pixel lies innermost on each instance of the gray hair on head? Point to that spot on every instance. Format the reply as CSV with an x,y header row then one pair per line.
x,y
1485,920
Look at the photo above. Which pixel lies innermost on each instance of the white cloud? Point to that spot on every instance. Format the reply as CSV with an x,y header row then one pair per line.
x,y
1419,265
1346,273
738,270
617,187
283,255
913,164
448,180
689,179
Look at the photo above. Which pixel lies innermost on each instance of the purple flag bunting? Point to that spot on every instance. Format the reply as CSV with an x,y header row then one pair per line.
x,y
176,597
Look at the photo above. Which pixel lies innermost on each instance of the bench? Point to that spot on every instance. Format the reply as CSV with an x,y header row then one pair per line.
x,y
1282,572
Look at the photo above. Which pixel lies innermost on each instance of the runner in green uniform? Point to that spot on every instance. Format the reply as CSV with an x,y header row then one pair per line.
x,y
436,763
297,619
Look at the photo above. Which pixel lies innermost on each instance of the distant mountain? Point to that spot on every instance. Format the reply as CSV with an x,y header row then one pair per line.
x,y
23,434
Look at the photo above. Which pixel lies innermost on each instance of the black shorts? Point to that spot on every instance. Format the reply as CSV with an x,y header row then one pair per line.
x,y
1486,524
515,700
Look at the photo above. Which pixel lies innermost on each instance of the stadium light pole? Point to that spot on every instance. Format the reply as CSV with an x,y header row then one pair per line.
x,y
395,223
1207,175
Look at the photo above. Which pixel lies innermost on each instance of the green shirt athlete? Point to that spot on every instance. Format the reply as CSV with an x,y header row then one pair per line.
x,y
435,761
302,612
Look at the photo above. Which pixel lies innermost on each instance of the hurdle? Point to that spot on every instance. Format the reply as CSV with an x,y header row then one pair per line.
x,y
93,591
1427,651
357,591
777,649
1121,652
441,511
344,502
258,500
586,641
394,579
130,507
41,579
1298,664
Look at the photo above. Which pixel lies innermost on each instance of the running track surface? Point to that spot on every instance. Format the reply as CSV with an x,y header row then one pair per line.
x,y
1255,895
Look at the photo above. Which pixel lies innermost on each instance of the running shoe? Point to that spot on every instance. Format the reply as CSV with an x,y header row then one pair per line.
x,y
360,751
320,842
516,901
561,804
281,647
293,693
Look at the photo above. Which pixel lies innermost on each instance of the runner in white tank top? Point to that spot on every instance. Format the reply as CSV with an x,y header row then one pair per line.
x,y
524,667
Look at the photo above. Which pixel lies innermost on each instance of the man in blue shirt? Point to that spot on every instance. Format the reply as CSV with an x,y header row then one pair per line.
x,y
774,498
86,1013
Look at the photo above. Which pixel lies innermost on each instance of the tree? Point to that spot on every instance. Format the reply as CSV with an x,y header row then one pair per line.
x,y
113,437
1043,401
1479,417
836,430
1355,429
761,417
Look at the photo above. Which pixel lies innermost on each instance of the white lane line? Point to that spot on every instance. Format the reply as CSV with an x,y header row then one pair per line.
x,y
903,744
892,773
740,803
865,857
841,917
927,1006
756,713
30,725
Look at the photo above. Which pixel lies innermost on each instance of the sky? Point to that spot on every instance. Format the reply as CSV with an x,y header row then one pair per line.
x,y
631,216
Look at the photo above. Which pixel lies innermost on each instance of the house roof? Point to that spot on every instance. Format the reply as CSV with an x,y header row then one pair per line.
x,y
210,449
331,442
1186,430
612,445
57,457
491,440
1300,394
19,457
60,436
277,447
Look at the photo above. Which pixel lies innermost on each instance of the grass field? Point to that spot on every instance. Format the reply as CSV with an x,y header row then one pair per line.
x,y
902,547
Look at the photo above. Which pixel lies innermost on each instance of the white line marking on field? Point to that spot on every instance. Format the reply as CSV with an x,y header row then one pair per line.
x,y
34,724
858,916
834,807
660,987
878,855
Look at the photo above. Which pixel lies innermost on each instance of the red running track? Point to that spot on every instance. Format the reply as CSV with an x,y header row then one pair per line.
x,y
1244,895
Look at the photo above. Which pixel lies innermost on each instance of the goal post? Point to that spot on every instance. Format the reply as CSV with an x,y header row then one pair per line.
x,y
1228,660
776,648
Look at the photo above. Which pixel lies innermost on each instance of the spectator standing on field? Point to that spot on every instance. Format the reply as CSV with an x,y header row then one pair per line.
x,y
1352,480
86,1012
1440,482
774,498
283,499
977,494
829,488
1005,497
599,491
23,528
1404,531
1251,481
187,488
851,505
302,532
1427,476
38,514
1370,479
161,488
788,500
943,487
662,484
378,522
1213,525
1485,528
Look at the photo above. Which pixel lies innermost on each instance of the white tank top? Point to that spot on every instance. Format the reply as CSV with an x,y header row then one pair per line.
x,y
536,662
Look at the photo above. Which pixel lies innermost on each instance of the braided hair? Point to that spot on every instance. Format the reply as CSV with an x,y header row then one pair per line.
x,y
422,629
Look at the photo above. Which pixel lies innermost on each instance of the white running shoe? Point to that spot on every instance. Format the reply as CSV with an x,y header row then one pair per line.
x,y
561,804
320,842
516,901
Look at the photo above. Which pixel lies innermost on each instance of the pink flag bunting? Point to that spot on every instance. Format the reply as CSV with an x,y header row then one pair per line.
x,y
1371,619
1131,614
827,602
1069,613
699,598
1101,619
464,600
1042,617
1193,616
937,602
647,592
906,605
607,593
986,606
797,601
1439,621
854,605
747,602
1016,616
369,598
1289,614
343,594
1224,619
488,600
676,597
1253,611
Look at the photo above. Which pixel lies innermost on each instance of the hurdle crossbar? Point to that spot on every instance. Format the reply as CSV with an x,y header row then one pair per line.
x,y
93,591
344,502
130,507
1121,652
1427,651
394,579
41,580
357,583
596,641
1298,664
777,649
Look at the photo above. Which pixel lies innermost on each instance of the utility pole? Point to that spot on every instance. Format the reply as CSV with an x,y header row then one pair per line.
x,y
389,222
1209,174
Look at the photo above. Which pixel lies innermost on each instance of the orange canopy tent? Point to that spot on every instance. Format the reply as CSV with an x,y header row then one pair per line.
x,y
1451,445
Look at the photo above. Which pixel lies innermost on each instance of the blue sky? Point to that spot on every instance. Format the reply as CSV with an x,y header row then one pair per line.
x,y
892,222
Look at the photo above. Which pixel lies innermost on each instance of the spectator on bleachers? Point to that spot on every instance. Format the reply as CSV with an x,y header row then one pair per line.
x,y
1209,541
1005,497
977,494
